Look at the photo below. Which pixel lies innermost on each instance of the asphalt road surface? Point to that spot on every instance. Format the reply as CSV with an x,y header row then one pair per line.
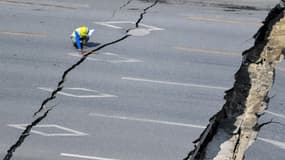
x,y
146,97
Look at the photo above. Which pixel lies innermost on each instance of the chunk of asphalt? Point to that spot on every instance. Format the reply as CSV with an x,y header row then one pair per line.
x,y
234,128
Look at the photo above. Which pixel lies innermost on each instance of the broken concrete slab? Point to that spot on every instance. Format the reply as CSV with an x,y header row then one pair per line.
x,y
235,127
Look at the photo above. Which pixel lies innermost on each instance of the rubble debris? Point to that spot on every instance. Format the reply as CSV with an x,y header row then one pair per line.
x,y
235,127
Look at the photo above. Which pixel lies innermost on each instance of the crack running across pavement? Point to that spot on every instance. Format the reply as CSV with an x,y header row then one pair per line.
x,y
24,135
121,7
144,12
234,128
60,86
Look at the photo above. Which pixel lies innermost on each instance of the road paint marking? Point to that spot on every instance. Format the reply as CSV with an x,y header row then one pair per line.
x,y
173,83
85,157
96,95
29,4
138,32
106,24
270,141
16,3
110,24
273,142
146,120
68,131
208,51
276,114
27,34
219,20
120,59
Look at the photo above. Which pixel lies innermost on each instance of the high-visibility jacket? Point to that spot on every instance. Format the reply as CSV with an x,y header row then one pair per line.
x,y
79,34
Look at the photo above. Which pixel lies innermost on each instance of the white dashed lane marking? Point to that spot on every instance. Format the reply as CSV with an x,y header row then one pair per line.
x,y
92,93
110,58
273,142
53,127
276,114
173,83
207,51
142,30
221,20
146,120
111,24
85,157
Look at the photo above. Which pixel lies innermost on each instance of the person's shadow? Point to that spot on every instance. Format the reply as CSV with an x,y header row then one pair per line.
x,y
92,44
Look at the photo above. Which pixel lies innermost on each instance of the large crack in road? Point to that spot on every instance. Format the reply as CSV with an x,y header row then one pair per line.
x,y
235,127
44,108
119,9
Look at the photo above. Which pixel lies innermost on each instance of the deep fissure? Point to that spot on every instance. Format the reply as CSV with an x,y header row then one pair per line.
x,y
233,129
60,86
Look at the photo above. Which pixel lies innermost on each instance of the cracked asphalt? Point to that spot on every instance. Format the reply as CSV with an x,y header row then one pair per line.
x,y
143,98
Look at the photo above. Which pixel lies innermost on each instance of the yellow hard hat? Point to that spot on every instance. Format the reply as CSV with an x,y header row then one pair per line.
x,y
84,30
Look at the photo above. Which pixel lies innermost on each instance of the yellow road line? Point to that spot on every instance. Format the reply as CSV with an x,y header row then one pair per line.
x,y
10,3
26,4
208,51
217,20
27,34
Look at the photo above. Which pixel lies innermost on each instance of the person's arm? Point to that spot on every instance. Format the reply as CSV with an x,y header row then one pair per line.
x,y
90,32
77,39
